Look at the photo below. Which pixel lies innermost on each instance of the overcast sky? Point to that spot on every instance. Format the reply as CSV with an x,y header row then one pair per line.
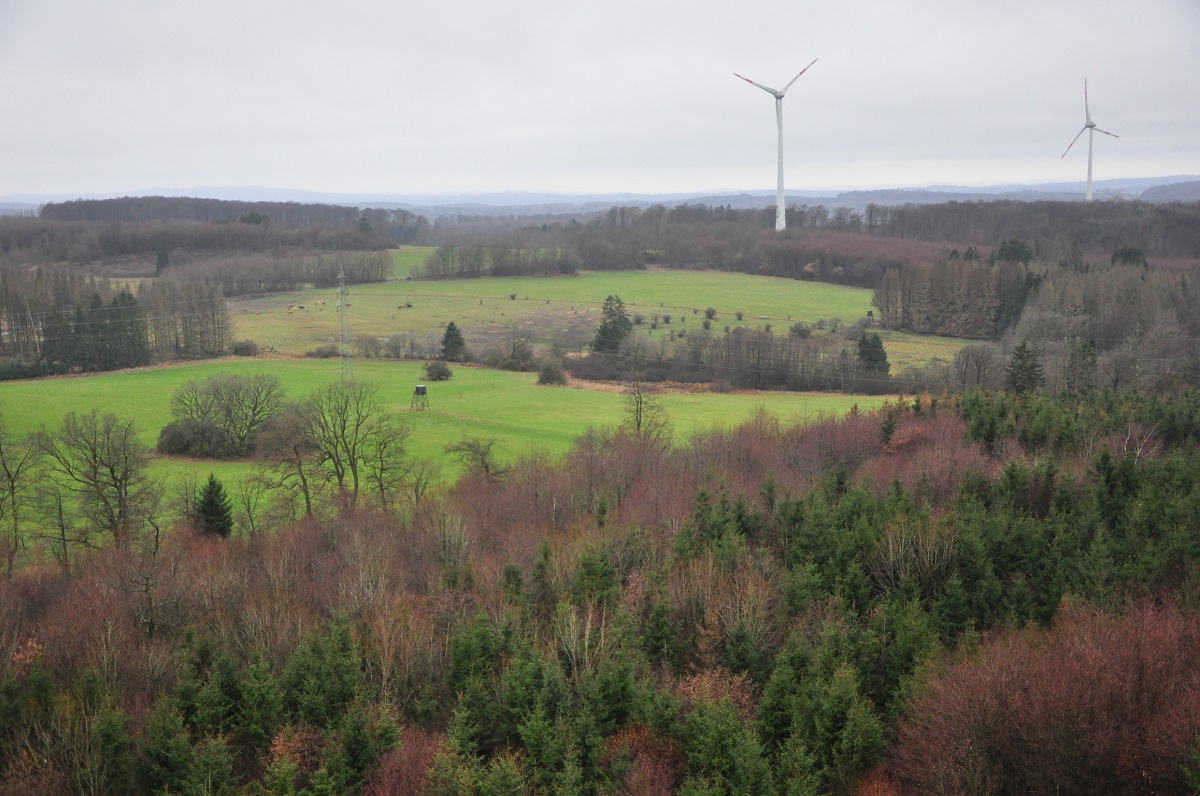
x,y
471,96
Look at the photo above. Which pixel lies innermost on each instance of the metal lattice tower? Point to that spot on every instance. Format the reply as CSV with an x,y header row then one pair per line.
x,y
344,317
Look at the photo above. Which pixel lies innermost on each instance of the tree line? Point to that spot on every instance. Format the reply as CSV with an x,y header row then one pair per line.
x,y
59,321
955,297
144,247
276,215
850,359
840,244
496,259
244,275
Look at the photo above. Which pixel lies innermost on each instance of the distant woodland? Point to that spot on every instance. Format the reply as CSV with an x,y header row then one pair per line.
x,y
133,236
62,311
1103,292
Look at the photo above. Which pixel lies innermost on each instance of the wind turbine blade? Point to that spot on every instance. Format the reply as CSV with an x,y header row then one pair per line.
x,y
1106,132
1086,112
797,77
767,89
1073,140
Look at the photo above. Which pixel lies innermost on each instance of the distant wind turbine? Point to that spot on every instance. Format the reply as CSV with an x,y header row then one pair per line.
x,y
1088,125
780,216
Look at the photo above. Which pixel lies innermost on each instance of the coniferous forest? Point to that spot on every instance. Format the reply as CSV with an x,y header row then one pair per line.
x,y
990,593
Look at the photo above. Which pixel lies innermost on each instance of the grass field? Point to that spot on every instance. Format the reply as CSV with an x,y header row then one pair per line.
x,y
561,310
476,401
409,259
916,350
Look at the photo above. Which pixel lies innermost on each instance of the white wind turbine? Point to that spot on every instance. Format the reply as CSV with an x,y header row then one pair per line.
x,y
780,216
1090,126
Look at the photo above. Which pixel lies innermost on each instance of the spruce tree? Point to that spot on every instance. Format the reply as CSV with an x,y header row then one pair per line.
x,y
213,508
615,326
1024,373
454,347
872,354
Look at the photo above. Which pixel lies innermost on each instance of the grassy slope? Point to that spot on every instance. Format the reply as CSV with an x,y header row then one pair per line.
x,y
508,406
559,309
477,402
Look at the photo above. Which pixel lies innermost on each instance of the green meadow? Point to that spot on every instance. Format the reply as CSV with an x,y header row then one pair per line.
x,y
408,260
510,407
554,310
562,311
906,350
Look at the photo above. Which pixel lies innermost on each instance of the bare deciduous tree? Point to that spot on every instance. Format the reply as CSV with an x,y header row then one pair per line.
x,y
350,428
478,453
96,459
17,463
291,458
976,366
645,414
240,407
341,435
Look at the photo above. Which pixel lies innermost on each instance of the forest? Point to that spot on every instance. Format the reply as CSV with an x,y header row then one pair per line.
x,y
990,585
991,593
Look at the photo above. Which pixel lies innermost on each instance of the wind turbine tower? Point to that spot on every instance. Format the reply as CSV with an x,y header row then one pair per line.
x,y
1091,127
780,215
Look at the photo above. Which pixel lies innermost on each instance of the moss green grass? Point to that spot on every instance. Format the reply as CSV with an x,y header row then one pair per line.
x,y
558,309
477,402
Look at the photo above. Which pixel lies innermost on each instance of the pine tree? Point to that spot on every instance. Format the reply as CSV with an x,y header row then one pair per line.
x,y
454,347
872,354
1081,368
213,509
615,326
1024,374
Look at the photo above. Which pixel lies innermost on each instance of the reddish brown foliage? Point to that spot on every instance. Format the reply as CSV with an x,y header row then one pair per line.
x,y
929,456
31,774
405,769
715,685
876,782
300,746
657,764
1097,704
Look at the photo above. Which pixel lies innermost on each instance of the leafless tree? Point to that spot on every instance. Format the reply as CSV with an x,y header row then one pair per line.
x,y
645,414
238,406
97,460
1118,369
61,529
479,453
249,497
385,462
290,457
150,566
18,461
976,366
348,426
420,476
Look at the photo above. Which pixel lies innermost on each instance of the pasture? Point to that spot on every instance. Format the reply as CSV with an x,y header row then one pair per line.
x,y
510,407
559,311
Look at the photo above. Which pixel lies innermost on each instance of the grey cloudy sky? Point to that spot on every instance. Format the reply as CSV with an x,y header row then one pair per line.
x,y
401,97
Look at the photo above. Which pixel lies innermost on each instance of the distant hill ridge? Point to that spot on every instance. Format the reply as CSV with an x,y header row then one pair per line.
x,y
1181,188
